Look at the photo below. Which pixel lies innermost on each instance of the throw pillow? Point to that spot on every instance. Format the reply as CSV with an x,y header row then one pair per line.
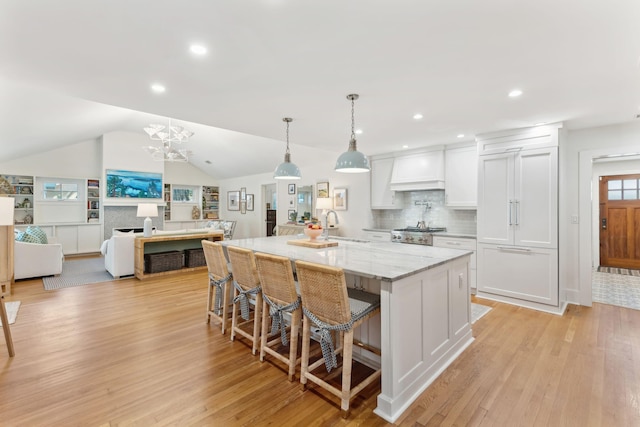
x,y
38,233
23,236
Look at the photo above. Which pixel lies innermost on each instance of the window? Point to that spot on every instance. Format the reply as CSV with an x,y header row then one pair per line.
x,y
59,191
619,189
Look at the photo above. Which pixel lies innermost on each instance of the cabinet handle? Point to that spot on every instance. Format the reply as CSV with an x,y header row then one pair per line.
x,y
453,243
511,248
517,212
513,149
460,280
510,211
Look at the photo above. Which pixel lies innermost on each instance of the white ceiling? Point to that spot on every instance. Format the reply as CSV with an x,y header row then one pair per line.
x,y
71,70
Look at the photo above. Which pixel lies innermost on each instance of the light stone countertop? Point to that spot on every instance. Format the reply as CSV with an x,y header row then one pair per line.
x,y
379,260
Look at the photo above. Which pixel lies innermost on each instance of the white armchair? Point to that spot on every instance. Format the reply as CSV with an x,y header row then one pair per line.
x,y
37,259
118,254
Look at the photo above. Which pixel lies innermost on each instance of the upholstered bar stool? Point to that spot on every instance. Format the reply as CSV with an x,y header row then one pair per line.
x,y
220,283
247,293
332,307
279,296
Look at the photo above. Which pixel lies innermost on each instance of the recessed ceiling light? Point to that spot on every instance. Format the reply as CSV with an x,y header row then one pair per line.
x,y
405,146
417,116
540,124
358,131
461,135
158,88
515,93
198,49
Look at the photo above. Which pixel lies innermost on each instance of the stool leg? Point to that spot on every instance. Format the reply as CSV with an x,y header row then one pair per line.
x,y
263,335
257,317
293,343
347,364
234,315
228,290
210,296
304,362
6,328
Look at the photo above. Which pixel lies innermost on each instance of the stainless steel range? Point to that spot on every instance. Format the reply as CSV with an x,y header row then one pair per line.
x,y
415,235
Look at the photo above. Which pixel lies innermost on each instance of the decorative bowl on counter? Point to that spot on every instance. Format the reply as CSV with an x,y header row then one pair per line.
x,y
313,233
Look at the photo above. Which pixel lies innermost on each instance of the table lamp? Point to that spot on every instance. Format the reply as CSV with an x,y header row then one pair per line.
x,y
147,210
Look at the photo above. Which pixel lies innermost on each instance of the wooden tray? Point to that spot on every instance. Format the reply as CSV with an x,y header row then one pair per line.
x,y
311,244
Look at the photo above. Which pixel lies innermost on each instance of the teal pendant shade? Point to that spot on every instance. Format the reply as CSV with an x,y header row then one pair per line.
x,y
352,161
286,169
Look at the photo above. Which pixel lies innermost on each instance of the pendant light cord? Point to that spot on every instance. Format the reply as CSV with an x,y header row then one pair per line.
x,y
353,119
287,121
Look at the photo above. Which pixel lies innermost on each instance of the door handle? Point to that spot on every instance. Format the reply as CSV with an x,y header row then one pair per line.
x,y
517,212
510,211
604,223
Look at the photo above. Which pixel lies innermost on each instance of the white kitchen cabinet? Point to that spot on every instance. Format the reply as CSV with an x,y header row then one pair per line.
x,y
376,236
517,259
526,274
382,197
518,198
463,243
461,177
418,171
79,238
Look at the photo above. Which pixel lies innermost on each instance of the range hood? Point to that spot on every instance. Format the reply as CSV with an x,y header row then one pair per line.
x,y
419,171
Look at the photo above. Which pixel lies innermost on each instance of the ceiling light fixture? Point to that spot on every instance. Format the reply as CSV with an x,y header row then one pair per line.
x,y
286,169
461,135
158,88
168,137
198,49
352,161
417,116
515,93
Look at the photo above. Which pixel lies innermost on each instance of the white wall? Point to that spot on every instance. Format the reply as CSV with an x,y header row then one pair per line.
x,y
357,216
576,171
79,160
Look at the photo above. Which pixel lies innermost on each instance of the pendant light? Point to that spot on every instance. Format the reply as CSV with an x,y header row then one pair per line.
x,y
286,169
352,161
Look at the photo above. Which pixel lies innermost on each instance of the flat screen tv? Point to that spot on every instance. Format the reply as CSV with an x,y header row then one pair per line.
x,y
135,185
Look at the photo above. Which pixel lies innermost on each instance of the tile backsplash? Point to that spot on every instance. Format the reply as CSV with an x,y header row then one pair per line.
x,y
430,208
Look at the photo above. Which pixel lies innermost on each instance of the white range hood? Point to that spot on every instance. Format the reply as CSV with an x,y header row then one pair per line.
x,y
418,171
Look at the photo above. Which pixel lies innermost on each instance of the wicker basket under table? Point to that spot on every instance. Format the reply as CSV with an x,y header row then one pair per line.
x,y
162,261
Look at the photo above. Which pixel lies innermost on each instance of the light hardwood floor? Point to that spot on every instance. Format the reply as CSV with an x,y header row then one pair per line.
x,y
141,353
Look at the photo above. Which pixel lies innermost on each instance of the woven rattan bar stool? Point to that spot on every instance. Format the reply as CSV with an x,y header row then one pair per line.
x,y
220,283
279,296
247,293
328,304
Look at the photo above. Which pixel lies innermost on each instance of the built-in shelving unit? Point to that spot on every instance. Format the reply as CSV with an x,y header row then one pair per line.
x,y
93,200
20,187
167,201
210,202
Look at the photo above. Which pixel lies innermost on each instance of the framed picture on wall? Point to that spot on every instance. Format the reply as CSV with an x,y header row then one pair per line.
x,y
249,202
233,200
243,206
323,189
243,194
340,199
292,189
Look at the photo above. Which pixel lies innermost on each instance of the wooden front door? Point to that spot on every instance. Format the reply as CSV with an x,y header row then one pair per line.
x,y
620,221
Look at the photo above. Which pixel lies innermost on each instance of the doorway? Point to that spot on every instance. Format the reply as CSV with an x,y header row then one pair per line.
x,y
269,209
619,221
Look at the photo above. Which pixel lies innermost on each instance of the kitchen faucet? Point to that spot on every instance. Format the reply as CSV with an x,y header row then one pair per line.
x,y
325,233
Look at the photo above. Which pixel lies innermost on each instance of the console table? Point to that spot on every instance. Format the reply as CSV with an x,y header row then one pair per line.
x,y
169,242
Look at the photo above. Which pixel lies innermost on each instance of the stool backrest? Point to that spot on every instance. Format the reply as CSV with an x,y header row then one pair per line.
x,y
324,292
276,278
243,265
216,261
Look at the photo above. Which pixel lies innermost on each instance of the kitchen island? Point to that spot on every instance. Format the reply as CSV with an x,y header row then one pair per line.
x,y
425,316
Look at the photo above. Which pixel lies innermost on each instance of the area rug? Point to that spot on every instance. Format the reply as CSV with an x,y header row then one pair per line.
x,y
614,270
12,311
477,311
77,273
616,289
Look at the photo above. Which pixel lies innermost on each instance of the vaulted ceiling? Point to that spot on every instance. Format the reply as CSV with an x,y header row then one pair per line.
x,y
72,70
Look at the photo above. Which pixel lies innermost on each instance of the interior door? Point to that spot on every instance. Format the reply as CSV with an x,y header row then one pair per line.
x,y
495,199
620,221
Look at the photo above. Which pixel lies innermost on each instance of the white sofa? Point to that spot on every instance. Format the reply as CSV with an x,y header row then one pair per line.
x,y
37,259
118,254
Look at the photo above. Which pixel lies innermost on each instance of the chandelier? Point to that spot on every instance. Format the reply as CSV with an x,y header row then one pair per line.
x,y
169,137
